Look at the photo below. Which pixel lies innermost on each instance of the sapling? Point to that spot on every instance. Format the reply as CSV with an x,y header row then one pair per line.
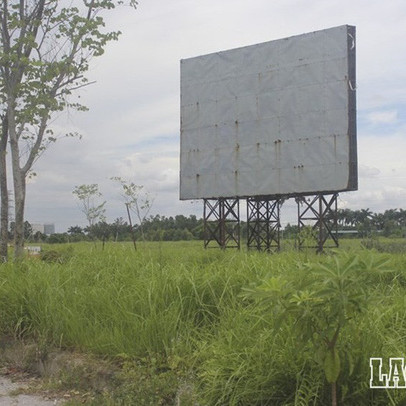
x,y
137,200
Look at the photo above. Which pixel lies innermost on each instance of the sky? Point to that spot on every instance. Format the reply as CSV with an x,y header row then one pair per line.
x,y
133,125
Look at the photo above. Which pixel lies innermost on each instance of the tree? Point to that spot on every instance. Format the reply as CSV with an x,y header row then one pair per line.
x,y
378,221
88,195
76,233
27,230
136,199
45,49
75,230
39,237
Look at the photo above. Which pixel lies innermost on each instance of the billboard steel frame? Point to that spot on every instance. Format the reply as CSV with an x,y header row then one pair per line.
x,y
263,223
221,223
321,212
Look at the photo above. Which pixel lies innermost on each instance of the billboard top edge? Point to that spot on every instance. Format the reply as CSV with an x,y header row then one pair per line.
x,y
347,26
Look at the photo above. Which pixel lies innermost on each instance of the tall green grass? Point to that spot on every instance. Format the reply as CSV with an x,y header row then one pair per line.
x,y
183,305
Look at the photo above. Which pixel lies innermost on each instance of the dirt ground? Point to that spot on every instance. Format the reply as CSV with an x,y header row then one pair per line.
x,y
13,393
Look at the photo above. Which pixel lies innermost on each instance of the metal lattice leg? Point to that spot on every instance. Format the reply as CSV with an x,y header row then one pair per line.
x,y
221,223
317,222
263,224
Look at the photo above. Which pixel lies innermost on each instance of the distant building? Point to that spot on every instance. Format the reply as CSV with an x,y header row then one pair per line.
x,y
46,229
37,228
49,229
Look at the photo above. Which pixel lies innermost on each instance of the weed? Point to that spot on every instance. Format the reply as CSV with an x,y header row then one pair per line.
x,y
174,315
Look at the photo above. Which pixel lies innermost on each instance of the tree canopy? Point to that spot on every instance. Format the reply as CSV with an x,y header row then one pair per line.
x,y
45,50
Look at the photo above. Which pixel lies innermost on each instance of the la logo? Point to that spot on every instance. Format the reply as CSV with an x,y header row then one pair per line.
x,y
395,376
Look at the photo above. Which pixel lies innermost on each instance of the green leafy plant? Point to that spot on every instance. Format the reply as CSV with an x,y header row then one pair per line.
x,y
321,301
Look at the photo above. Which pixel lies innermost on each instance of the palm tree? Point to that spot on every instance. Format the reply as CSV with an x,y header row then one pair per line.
x,y
378,221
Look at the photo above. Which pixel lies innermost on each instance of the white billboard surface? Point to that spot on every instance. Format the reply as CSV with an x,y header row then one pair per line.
x,y
272,119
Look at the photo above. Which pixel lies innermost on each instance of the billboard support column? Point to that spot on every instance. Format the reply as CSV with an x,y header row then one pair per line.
x,y
221,218
263,223
317,221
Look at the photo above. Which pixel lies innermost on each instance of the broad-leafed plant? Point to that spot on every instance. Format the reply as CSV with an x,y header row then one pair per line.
x,y
321,301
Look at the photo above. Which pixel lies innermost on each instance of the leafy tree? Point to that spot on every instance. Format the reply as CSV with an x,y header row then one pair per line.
x,y
76,233
75,230
136,199
27,230
378,221
45,49
92,209
39,237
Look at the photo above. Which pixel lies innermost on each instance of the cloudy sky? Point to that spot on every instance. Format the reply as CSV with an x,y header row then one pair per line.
x,y
132,128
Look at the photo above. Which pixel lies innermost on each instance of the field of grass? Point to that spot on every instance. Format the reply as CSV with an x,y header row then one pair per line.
x,y
189,326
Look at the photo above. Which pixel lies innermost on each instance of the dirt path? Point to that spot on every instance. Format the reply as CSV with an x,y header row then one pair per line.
x,y
10,395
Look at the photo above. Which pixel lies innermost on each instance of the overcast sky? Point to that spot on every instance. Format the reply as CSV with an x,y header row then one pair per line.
x,y
132,128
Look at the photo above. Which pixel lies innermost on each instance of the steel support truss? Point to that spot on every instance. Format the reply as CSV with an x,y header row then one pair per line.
x,y
221,223
263,224
317,221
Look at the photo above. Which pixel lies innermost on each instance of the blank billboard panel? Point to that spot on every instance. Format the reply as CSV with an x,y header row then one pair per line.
x,y
271,119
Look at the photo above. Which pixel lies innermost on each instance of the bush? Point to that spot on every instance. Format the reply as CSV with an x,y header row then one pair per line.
x,y
57,256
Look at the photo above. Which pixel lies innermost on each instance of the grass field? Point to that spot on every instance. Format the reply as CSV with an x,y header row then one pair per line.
x,y
189,326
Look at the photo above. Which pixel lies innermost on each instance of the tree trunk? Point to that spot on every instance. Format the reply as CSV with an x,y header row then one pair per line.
x,y
131,227
19,186
334,394
4,194
19,197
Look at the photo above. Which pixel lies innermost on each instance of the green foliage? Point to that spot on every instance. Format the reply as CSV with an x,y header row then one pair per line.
x,y
322,302
58,238
136,199
391,222
45,51
60,256
392,245
134,195
178,228
146,382
92,209
331,365
214,327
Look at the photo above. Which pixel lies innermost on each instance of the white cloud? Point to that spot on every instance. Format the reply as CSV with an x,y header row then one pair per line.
x,y
383,117
365,171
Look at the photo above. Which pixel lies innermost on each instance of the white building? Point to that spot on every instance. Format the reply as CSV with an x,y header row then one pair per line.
x,y
46,229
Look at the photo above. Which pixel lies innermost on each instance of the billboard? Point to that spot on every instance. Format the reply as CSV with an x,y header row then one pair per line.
x,y
271,119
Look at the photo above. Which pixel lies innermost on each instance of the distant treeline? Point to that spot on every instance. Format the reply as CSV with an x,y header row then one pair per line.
x,y
391,223
154,228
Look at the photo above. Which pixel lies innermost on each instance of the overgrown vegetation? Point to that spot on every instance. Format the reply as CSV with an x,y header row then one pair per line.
x,y
185,326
